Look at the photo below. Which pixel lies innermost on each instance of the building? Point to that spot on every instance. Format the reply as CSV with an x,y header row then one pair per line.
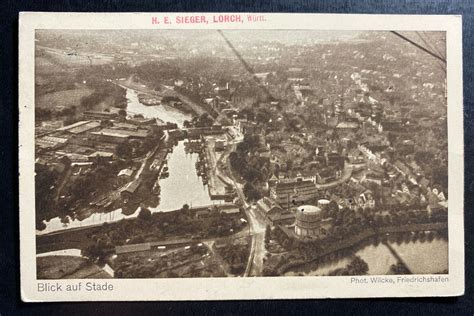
x,y
127,173
140,121
309,222
104,155
347,126
131,189
118,135
323,203
244,96
293,192
267,206
205,213
273,213
328,175
108,137
230,210
392,125
285,218
374,178
51,142
335,160
87,127
355,156
124,249
100,115
219,145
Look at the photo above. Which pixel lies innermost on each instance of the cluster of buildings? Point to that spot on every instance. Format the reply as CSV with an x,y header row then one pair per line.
x,y
97,135
359,152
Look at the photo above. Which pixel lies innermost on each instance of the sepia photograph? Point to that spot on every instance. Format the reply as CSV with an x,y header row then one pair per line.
x,y
184,153
247,157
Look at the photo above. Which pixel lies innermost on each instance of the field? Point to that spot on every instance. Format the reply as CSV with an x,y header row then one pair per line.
x,y
66,98
68,267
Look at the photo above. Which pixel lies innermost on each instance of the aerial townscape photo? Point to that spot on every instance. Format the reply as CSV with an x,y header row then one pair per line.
x,y
240,153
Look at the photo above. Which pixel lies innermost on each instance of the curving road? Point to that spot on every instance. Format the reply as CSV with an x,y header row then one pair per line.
x,y
256,227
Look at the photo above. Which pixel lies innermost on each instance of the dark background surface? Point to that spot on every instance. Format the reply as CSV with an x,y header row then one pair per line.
x,y
10,302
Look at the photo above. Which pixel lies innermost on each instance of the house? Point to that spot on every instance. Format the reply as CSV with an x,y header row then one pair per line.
x,y
131,189
347,126
355,156
284,218
267,206
327,175
402,168
249,128
125,173
373,177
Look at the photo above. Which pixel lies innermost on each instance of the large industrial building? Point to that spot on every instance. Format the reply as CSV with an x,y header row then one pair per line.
x,y
293,192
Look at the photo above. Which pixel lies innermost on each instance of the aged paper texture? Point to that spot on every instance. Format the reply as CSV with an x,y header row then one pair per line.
x,y
211,156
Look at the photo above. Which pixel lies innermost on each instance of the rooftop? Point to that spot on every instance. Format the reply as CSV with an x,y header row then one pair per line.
x,y
84,127
68,127
309,209
122,133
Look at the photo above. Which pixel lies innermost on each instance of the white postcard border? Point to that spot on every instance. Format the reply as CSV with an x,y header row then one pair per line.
x,y
241,288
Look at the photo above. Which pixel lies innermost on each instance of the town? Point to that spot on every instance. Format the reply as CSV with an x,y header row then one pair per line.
x,y
216,154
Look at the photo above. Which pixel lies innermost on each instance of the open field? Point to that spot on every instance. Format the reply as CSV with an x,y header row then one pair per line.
x,y
66,98
67,267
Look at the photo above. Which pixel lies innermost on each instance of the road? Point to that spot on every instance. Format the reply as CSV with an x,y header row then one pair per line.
x,y
257,228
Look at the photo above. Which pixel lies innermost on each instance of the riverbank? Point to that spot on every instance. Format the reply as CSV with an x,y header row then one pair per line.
x,y
160,226
330,252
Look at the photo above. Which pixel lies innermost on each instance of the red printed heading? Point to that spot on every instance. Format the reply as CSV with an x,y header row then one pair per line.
x,y
202,19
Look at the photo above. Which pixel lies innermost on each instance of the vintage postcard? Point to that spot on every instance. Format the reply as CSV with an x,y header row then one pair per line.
x,y
216,156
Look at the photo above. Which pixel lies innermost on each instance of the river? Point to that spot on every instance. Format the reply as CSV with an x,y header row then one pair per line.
x,y
164,112
183,186
421,257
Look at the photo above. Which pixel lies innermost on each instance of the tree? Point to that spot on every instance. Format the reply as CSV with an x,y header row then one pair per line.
x,y
270,271
252,174
250,192
124,150
357,267
205,120
95,252
398,268
145,214
122,113
186,124
185,209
